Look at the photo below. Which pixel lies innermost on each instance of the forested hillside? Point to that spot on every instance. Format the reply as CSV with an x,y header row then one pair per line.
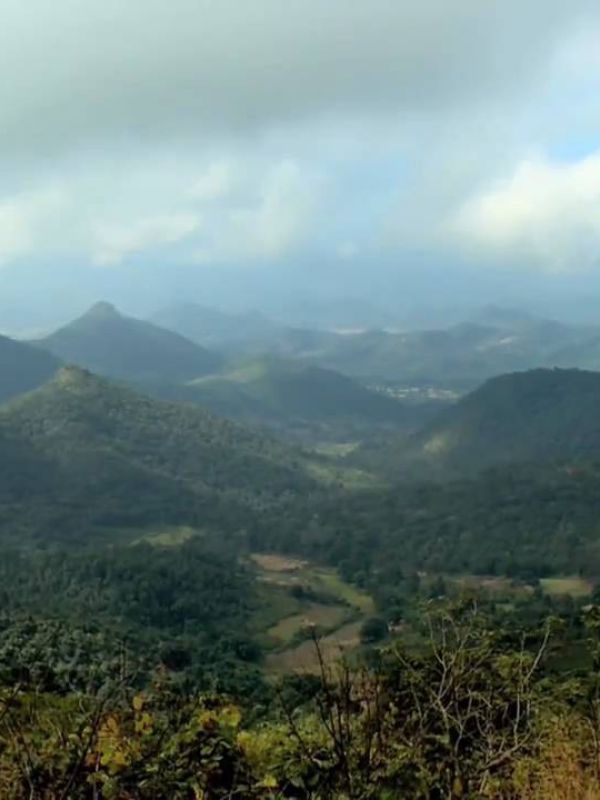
x,y
23,367
534,416
313,403
81,451
158,559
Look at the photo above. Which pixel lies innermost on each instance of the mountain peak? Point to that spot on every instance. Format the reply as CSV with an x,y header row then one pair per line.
x,y
103,310
111,344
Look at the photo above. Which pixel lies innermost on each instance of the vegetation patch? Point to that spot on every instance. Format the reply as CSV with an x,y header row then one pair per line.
x,y
315,614
331,581
304,657
170,536
273,562
571,587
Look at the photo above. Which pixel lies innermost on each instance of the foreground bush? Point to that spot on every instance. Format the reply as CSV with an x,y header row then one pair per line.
x,y
471,715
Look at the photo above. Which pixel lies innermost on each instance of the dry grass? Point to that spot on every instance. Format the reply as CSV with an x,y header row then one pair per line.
x,y
564,770
303,658
573,586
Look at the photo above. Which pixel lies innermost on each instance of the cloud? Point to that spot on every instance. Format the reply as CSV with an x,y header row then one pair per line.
x,y
546,215
215,183
108,70
244,209
301,138
23,221
274,218
113,242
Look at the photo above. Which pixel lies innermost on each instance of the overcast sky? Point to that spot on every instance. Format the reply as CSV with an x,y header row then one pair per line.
x,y
250,150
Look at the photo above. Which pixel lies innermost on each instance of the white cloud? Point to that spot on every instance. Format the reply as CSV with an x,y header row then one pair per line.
x,y
246,208
113,242
275,217
15,233
24,221
215,183
546,215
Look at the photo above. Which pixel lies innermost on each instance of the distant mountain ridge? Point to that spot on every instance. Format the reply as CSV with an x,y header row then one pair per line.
x,y
211,327
117,346
494,340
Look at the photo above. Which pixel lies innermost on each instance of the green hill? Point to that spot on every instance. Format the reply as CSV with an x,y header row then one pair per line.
x,y
81,452
108,343
23,367
292,394
536,416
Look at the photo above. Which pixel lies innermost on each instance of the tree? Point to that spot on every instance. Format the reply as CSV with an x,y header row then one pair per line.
x,y
373,629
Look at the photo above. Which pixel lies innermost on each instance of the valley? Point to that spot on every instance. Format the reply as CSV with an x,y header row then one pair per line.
x,y
254,524
299,400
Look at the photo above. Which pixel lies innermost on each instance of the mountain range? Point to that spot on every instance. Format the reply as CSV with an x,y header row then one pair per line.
x,y
493,341
289,394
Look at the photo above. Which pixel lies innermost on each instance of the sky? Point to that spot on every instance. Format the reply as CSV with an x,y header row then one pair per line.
x,y
394,159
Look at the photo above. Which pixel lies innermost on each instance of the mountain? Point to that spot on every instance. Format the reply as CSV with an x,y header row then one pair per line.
x,y
245,334
537,416
293,394
496,316
82,452
585,353
23,367
117,346
214,328
460,357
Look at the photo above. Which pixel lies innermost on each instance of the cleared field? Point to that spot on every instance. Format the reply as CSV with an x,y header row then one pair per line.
x,y
286,570
314,614
274,603
573,586
349,477
336,449
303,657
326,600
169,537
273,562
331,581
498,586
502,587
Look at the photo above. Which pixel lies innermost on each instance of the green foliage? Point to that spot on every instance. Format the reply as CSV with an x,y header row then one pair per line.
x,y
83,453
373,630
311,402
23,368
468,716
539,416
187,608
522,522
